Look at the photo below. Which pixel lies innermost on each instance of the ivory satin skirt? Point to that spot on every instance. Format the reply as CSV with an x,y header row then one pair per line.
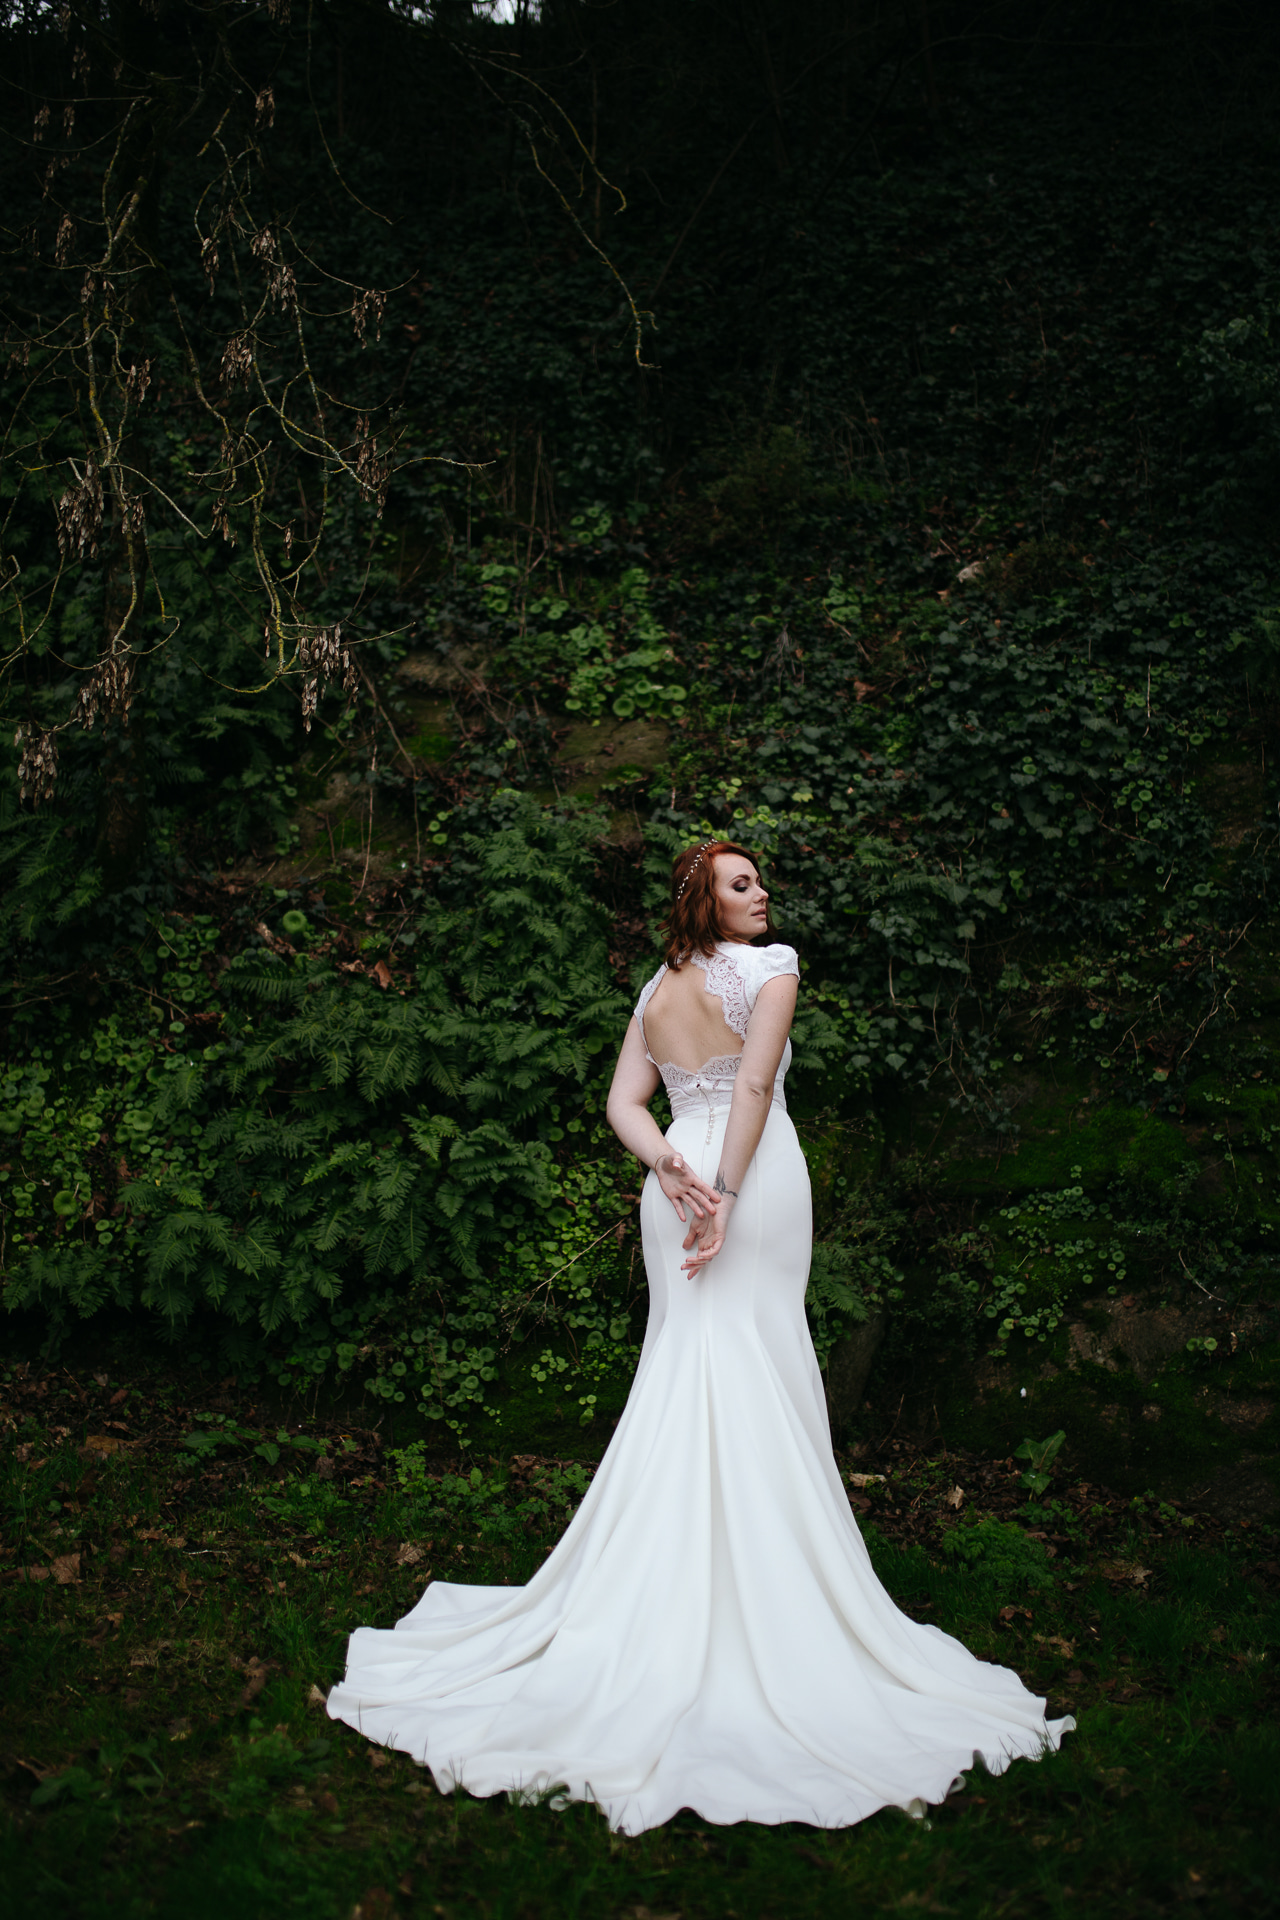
x,y
708,1633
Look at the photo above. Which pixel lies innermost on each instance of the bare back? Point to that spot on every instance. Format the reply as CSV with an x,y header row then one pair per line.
x,y
684,1023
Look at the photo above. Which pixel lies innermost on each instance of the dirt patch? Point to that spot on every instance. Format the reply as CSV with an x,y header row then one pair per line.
x,y
459,667
1244,1491
1241,1416
1146,1338
1231,792
594,752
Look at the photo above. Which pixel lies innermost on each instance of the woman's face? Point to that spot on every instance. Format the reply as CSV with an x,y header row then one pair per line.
x,y
741,902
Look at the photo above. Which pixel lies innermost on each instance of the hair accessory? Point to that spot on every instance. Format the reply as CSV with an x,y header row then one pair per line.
x,y
694,868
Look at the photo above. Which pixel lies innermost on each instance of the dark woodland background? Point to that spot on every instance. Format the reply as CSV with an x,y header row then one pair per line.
x,y
454,460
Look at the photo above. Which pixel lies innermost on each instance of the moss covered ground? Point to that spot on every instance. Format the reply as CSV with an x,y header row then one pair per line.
x,y
173,1612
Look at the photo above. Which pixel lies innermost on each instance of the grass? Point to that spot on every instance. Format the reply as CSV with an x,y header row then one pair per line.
x,y
165,1752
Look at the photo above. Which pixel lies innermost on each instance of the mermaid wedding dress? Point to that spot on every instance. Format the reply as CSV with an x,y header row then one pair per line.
x,y
708,1633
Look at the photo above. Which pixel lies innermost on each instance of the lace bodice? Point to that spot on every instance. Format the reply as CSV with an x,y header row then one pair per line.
x,y
736,974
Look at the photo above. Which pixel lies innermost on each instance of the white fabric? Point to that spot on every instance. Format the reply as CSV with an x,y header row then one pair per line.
x,y
709,1632
736,974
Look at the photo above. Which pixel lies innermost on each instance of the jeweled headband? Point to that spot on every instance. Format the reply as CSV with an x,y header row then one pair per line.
x,y
694,868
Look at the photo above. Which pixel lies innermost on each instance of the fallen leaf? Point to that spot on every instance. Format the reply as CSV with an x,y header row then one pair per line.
x,y
956,1497
297,1560
104,1443
117,1398
377,1760
409,1555
31,1574
66,1569
258,1672
865,1479
327,1803
1057,1643
376,1905
1124,1570
315,1698
381,973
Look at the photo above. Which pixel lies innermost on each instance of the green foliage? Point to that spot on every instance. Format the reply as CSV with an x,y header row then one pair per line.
x,y
1056,1252
1040,1456
597,648
852,1278
998,1551
1234,371
487,1507
332,1136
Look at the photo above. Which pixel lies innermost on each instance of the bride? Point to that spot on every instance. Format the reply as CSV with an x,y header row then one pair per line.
x,y
709,1632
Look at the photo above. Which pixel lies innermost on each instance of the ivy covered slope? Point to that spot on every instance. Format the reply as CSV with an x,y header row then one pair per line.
x,y
947,580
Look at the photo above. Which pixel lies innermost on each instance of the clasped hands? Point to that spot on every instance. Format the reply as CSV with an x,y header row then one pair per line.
x,y
708,1215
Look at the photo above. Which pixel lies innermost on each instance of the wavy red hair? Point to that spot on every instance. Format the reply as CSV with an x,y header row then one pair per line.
x,y
693,923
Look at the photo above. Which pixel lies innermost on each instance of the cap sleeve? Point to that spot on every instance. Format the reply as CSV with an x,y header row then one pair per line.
x,y
776,960
766,963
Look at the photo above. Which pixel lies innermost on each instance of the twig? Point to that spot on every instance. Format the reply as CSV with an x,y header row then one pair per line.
x,y
897,1416
368,848
578,1256
373,693
1195,1283
333,851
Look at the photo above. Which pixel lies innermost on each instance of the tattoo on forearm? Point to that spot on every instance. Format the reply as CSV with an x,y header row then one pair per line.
x,y
720,1187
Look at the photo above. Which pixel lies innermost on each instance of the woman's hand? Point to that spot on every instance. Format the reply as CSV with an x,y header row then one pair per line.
x,y
706,1240
684,1189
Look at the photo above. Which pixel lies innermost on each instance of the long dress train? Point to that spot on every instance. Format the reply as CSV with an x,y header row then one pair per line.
x,y
708,1633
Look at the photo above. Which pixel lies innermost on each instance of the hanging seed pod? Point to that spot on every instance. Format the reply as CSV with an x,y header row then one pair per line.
x,y
38,764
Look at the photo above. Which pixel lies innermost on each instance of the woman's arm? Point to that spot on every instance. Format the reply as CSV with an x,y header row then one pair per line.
x,y
635,1081
767,1032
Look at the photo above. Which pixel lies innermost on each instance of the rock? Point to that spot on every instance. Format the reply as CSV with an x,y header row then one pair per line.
x,y
848,1368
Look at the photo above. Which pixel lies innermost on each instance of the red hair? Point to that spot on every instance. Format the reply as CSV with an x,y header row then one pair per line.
x,y
693,923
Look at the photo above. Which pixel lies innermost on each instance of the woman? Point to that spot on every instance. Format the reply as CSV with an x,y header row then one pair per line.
x,y
708,1633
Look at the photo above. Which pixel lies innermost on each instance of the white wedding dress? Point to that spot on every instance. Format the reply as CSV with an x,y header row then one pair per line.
x,y
709,1632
